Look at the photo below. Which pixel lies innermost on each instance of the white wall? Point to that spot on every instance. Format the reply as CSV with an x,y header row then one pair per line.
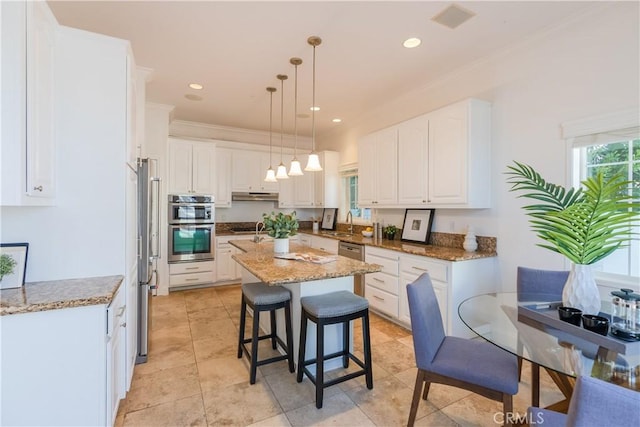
x,y
83,235
587,67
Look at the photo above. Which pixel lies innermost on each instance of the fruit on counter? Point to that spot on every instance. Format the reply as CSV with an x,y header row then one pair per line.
x,y
369,229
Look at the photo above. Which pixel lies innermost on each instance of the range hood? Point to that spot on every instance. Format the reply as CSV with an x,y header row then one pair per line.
x,y
254,197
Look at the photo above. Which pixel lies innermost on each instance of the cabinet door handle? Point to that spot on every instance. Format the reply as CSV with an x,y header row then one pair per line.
x,y
378,280
38,188
192,268
121,311
378,298
421,269
124,324
191,280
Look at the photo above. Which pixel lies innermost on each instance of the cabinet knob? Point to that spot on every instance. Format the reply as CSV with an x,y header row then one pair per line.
x,y
124,324
38,188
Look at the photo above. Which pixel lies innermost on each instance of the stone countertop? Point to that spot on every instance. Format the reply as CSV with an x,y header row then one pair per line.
x,y
445,253
57,294
258,260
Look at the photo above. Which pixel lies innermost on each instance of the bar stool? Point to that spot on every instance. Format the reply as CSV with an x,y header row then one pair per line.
x,y
262,297
328,309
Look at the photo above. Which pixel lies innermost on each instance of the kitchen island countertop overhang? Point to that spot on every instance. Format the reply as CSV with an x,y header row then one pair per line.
x,y
258,259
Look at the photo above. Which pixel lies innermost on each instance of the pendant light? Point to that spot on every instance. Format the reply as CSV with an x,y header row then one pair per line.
x,y
294,169
271,176
282,169
313,164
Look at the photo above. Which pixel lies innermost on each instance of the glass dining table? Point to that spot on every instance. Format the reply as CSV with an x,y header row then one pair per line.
x,y
494,317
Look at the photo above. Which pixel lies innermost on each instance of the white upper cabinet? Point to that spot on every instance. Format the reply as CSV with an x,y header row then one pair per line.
x,y
378,169
192,167
413,138
327,181
441,160
223,176
249,170
28,69
460,155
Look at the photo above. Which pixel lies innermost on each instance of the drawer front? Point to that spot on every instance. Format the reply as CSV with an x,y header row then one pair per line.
x,y
191,267
383,282
383,253
419,265
389,266
382,301
190,279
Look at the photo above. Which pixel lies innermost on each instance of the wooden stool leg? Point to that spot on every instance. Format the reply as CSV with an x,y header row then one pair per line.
x,y
243,316
254,345
319,363
366,341
302,346
289,332
274,330
345,344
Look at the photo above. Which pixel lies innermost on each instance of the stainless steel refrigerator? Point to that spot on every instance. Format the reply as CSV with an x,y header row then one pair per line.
x,y
148,248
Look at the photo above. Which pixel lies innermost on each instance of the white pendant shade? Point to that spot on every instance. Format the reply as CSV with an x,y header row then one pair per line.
x,y
271,176
282,172
313,164
295,169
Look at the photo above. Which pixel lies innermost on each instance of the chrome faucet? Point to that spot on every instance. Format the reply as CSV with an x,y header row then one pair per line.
x,y
350,217
259,228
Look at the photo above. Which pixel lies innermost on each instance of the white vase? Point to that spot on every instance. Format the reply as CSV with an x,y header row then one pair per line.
x,y
281,246
580,291
470,243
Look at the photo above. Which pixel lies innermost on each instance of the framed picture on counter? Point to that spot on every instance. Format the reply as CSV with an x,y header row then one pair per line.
x,y
329,218
417,225
13,264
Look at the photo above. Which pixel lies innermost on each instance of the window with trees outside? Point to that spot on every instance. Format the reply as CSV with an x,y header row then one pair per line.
x,y
349,180
612,155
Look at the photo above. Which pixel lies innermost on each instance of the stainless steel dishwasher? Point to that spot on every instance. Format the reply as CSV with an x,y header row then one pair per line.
x,y
354,251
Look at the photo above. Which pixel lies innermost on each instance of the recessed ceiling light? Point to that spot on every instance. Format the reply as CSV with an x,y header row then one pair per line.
x,y
196,86
192,97
411,42
336,120
314,108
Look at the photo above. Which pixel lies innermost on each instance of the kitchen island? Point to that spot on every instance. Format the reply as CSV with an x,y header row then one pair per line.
x,y
301,278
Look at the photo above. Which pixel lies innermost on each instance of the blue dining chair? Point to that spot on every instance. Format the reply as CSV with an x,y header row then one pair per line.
x,y
472,365
594,403
538,285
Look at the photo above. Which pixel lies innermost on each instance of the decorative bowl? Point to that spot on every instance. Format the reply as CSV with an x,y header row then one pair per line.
x,y
597,324
570,315
367,233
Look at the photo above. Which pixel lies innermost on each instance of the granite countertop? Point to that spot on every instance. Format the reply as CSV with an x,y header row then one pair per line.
x,y
258,260
56,294
445,253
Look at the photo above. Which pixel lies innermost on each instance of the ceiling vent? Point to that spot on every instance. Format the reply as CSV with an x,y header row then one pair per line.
x,y
453,16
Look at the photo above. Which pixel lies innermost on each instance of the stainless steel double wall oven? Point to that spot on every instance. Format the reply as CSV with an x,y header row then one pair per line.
x,y
192,228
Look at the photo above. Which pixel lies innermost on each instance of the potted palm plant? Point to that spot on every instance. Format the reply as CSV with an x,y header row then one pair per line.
x,y
280,226
585,224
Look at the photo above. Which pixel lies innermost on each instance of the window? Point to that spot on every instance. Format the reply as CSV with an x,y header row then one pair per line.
x,y
609,144
621,156
349,179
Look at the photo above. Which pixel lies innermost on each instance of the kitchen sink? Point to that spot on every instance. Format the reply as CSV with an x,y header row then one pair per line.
x,y
337,234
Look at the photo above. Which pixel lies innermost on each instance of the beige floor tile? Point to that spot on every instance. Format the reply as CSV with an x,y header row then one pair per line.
x,y
199,300
223,329
388,403
214,348
407,341
378,374
280,420
393,356
162,386
168,319
337,410
240,404
207,314
437,419
222,372
475,410
183,412
291,394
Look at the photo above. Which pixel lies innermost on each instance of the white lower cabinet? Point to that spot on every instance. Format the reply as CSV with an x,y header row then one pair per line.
x,y
381,288
191,273
453,282
325,244
67,365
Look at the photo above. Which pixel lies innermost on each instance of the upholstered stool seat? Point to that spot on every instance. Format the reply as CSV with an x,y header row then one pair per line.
x,y
335,307
262,297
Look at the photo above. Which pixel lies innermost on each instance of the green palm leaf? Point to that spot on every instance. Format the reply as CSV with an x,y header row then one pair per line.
x,y
585,224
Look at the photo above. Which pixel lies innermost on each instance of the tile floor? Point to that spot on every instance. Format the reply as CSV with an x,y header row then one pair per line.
x,y
193,377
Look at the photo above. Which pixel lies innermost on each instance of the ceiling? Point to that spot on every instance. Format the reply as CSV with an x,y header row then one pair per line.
x,y
235,49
